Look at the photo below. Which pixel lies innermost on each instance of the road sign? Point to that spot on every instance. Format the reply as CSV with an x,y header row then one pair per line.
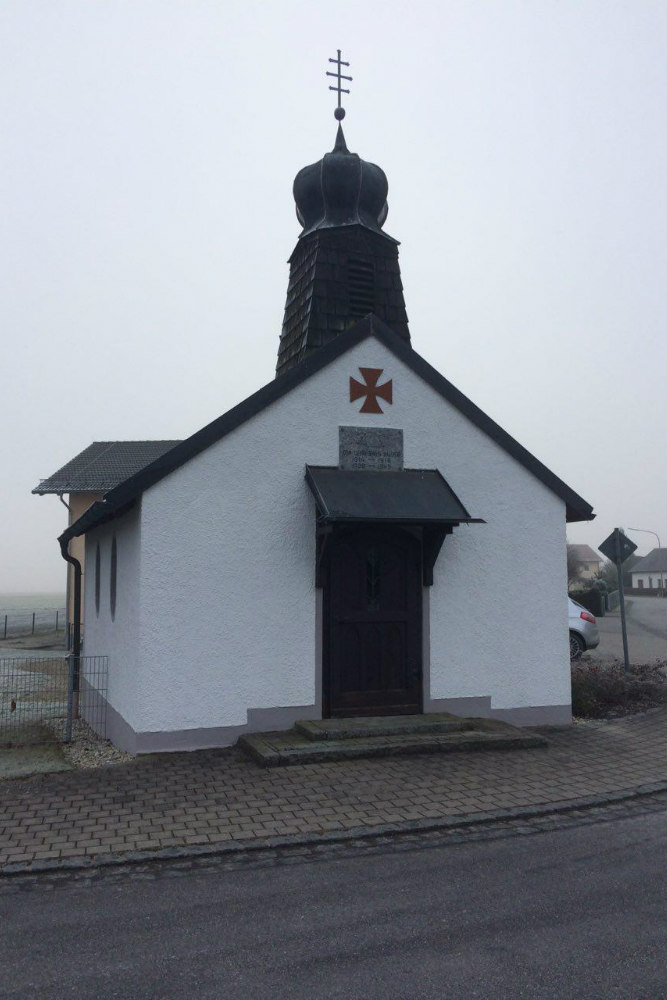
x,y
617,546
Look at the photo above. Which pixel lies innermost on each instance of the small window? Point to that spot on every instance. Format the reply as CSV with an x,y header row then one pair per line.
x,y
97,579
112,578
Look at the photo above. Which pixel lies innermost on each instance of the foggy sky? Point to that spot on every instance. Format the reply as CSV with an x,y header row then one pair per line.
x,y
149,150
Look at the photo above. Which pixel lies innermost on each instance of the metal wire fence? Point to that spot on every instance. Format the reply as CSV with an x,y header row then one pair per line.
x,y
15,623
41,696
613,600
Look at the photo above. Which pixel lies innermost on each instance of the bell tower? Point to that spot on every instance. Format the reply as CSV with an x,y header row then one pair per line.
x,y
344,265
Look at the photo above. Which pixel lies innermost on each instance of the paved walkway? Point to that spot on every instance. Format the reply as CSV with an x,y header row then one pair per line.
x,y
215,798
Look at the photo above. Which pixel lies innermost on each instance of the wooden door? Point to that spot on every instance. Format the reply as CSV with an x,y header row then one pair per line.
x,y
373,623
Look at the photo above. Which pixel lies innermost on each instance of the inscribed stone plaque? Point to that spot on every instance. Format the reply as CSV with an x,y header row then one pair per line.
x,y
371,448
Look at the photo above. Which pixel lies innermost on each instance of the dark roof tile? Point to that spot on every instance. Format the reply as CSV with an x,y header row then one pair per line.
x,y
103,465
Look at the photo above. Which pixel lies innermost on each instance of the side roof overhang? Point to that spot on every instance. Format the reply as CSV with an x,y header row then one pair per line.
x,y
103,465
120,499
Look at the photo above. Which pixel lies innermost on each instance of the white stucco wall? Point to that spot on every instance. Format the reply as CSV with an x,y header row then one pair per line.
x,y
228,597
499,600
225,577
118,638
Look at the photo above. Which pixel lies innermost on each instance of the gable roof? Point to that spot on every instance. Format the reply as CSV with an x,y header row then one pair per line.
x,y
584,553
654,562
103,465
123,496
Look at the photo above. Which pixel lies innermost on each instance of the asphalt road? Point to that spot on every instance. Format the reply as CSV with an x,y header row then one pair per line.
x,y
647,632
573,913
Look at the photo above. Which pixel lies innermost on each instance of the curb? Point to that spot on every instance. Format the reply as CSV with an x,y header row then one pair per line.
x,y
339,836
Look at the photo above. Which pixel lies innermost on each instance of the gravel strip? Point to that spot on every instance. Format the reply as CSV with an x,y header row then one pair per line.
x,y
88,749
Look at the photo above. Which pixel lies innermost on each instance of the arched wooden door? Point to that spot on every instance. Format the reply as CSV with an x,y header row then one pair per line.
x,y
373,623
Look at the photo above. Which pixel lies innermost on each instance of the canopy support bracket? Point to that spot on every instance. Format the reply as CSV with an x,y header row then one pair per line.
x,y
433,539
323,536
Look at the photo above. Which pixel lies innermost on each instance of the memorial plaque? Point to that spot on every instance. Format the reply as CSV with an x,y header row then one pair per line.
x,y
378,449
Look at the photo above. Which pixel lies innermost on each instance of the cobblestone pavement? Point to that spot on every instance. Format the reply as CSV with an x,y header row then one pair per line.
x,y
319,849
217,800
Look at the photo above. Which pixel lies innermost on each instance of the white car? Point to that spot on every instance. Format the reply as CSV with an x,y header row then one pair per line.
x,y
584,632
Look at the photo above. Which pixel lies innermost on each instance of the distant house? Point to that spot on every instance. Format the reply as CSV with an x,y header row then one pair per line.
x,y
586,561
88,476
650,573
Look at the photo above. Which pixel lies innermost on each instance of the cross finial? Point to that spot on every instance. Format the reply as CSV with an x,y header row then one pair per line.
x,y
339,112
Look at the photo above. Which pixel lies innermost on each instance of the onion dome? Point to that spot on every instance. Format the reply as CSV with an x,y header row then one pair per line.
x,y
341,190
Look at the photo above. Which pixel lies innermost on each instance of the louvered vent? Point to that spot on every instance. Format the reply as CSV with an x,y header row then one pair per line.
x,y
361,286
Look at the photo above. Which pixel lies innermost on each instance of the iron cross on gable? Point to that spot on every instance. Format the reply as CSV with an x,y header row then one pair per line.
x,y
371,390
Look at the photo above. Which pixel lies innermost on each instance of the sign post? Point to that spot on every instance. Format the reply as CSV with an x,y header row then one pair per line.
x,y
618,547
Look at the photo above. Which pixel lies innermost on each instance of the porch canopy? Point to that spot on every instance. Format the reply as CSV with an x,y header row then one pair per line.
x,y
416,497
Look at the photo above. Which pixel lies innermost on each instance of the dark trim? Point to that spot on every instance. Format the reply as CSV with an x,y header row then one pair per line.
x,y
76,624
126,493
432,541
323,535
97,514
98,579
113,577
326,516
430,537
414,541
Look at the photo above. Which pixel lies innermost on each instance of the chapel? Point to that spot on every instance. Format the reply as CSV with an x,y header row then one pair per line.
x,y
355,539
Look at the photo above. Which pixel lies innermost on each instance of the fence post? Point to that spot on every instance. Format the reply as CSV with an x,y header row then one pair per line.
x,y
5,635
33,623
56,619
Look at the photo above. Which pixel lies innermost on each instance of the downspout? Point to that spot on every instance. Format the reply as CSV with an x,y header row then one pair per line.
x,y
75,651
68,580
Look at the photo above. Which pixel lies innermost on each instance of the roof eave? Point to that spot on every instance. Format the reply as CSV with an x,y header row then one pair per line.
x,y
61,490
121,496
96,515
573,514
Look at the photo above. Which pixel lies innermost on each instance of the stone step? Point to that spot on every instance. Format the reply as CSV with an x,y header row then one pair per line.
x,y
383,725
288,748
